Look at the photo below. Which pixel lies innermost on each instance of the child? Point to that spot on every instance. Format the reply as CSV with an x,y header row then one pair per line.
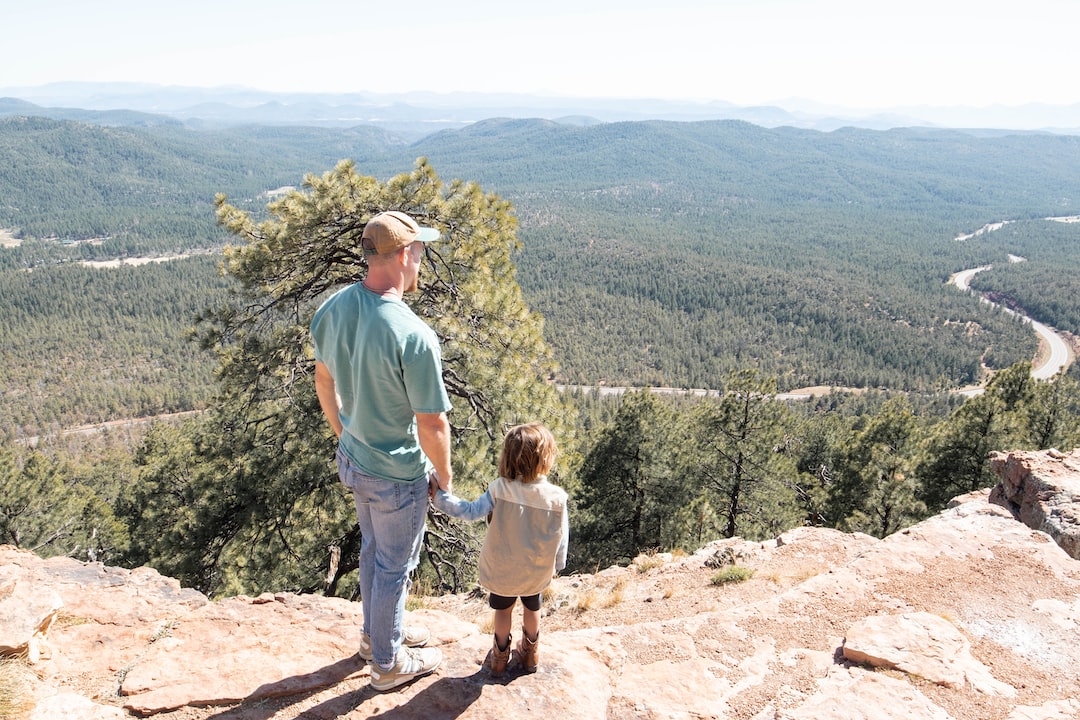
x,y
526,541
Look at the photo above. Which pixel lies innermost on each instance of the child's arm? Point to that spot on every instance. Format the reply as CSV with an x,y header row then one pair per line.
x,y
455,507
564,543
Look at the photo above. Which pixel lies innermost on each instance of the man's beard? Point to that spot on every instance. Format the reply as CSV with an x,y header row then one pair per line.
x,y
414,285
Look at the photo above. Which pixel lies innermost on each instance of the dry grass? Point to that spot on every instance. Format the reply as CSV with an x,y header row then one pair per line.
x,y
587,602
16,696
645,563
792,578
615,596
600,599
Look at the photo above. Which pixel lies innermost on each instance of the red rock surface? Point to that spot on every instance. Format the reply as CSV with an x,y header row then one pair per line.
x,y
969,615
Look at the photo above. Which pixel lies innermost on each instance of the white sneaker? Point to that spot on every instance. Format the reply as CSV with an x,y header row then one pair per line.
x,y
416,636
411,664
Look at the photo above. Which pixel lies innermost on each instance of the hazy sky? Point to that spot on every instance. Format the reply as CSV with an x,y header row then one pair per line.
x,y
855,53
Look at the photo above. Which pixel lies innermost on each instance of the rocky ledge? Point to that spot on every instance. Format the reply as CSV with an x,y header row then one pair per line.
x,y
969,615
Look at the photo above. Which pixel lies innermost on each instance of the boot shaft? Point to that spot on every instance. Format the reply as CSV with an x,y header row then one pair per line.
x,y
528,652
497,659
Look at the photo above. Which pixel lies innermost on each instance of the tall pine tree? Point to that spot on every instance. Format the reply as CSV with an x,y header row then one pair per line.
x,y
260,503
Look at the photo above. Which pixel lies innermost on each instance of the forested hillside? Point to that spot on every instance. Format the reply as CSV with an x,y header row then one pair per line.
x,y
659,253
152,185
87,345
1043,276
704,247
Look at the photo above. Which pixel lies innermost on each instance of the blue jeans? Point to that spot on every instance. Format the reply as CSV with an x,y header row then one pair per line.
x,y
392,519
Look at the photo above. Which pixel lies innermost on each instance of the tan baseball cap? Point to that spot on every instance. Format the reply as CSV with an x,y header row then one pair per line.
x,y
390,231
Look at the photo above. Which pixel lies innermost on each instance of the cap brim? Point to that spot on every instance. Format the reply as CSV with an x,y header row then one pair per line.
x,y
427,235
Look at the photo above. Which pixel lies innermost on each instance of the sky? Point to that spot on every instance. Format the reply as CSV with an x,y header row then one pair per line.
x,y
843,53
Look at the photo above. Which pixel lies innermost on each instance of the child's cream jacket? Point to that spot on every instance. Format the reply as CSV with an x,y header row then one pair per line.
x,y
528,533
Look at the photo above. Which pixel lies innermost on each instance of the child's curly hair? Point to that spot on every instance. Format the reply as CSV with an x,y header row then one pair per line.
x,y
528,451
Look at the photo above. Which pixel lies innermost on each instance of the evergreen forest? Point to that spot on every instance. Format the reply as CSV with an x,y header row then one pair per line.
x,y
719,256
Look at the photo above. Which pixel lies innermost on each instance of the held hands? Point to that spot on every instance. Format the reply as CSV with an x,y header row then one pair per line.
x,y
435,484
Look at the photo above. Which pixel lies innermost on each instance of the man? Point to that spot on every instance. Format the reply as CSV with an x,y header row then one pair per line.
x,y
378,376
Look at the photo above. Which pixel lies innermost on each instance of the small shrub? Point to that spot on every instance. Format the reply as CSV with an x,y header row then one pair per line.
x,y
63,620
731,574
163,631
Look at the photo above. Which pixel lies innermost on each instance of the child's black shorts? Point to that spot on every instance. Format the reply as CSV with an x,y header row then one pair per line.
x,y
498,602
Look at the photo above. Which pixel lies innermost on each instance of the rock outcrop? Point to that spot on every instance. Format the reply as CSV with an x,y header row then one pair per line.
x,y
969,615
1042,490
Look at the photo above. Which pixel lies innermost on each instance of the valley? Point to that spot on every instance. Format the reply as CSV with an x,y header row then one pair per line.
x,y
815,257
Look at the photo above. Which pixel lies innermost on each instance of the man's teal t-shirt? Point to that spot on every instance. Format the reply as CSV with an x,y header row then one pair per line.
x,y
387,367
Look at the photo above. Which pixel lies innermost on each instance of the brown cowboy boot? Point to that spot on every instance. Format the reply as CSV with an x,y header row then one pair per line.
x,y
526,653
496,659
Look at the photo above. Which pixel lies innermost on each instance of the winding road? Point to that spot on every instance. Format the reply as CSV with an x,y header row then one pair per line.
x,y
1060,355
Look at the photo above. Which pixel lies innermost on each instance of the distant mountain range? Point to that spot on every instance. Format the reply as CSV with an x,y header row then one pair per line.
x,y
414,115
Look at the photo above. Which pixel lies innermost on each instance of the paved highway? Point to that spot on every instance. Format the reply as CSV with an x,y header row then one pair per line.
x,y
1060,357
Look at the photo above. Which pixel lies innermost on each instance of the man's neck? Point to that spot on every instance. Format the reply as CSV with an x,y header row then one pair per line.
x,y
385,288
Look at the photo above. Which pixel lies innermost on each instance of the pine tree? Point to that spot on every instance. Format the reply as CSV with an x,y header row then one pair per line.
x,y
1052,413
739,451
874,488
956,456
266,509
46,509
630,501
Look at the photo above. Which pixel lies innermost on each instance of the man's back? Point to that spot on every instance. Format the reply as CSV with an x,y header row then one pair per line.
x,y
386,366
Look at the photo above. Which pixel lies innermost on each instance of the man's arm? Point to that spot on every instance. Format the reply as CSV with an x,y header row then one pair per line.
x,y
326,389
433,430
